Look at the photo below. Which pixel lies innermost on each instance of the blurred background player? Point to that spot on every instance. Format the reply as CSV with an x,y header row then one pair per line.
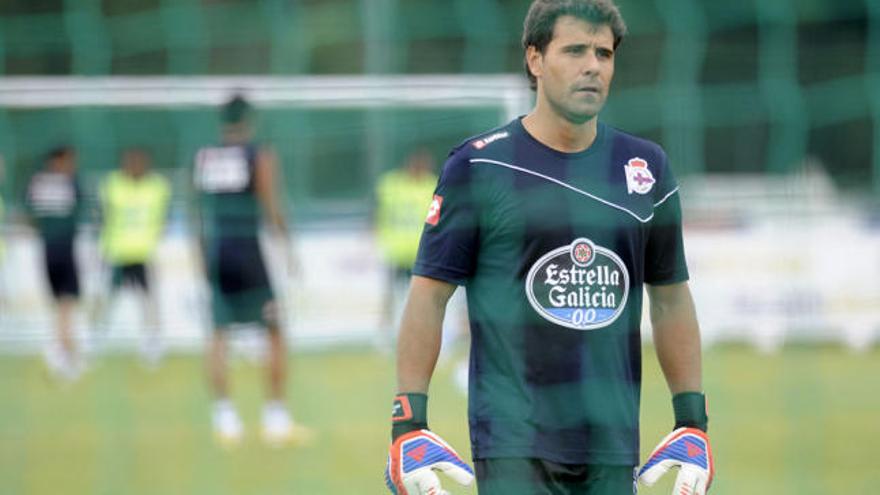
x,y
402,196
237,182
134,206
54,205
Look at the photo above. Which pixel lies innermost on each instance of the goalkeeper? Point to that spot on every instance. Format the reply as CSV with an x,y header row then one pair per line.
x,y
556,224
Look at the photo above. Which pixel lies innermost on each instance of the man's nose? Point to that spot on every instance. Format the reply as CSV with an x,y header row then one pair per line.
x,y
590,64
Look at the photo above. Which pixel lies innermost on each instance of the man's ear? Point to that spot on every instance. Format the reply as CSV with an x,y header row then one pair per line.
x,y
535,61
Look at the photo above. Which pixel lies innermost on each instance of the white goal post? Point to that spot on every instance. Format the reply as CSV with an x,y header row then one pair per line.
x,y
509,92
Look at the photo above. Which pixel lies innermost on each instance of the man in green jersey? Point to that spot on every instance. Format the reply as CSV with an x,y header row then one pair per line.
x,y
54,207
556,223
237,182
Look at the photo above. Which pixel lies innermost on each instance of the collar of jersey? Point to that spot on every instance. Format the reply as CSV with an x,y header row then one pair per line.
x,y
594,146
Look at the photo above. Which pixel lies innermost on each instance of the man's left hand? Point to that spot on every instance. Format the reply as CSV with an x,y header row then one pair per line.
x,y
687,449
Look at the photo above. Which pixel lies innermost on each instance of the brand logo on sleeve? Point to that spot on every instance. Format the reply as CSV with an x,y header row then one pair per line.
x,y
639,178
482,143
581,286
434,210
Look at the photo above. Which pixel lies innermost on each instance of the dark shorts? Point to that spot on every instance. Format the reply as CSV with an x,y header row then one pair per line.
x,y
515,476
240,289
61,269
132,275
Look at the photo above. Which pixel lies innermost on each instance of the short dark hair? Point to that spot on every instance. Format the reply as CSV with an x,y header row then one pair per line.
x,y
541,20
236,110
59,152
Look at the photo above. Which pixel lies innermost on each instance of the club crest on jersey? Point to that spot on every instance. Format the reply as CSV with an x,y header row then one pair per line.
x,y
639,178
581,286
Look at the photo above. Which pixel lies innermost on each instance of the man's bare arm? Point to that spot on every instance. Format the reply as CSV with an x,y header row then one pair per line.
x,y
266,177
421,329
676,336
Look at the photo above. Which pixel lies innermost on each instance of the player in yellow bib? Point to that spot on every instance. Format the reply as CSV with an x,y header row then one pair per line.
x,y
134,206
402,197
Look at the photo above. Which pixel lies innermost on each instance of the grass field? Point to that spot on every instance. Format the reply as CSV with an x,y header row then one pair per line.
x,y
801,422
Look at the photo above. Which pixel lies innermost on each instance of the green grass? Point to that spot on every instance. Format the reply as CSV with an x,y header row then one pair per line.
x,y
801,422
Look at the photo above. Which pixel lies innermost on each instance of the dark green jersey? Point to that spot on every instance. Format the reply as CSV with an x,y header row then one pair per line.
x,y
54,202
554,249
224,178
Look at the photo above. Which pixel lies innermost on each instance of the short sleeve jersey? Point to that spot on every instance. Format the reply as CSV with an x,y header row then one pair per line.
x,y
554,249
54,200
224,178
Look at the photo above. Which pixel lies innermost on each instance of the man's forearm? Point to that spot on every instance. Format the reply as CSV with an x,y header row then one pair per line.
x,y
678,350
417,349
418,343
677,338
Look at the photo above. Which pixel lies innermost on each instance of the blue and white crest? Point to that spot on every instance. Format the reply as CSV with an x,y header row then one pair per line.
x,y
581,286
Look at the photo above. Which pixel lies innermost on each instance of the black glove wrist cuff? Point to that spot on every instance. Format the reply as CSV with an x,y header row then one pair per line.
x,y
690,410
410,413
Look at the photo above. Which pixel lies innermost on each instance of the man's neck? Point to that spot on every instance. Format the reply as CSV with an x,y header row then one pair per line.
x,y
558,133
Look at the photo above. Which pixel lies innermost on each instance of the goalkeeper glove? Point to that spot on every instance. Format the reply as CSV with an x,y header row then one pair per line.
x,y
689,450
686,448
416,453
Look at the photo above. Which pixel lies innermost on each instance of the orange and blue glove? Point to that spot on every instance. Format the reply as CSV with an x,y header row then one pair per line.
x,y
417,454
686,448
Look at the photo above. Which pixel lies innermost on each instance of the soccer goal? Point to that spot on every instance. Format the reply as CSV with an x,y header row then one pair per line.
x,y
334,136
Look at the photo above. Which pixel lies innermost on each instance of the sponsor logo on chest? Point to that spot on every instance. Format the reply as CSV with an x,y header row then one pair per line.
x,y
581,286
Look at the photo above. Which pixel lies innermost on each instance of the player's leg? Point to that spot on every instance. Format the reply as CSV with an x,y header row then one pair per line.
x,y
227,424
258,303
152,349
63,359
393,299
98,305
217,372
276,364
69,364
278,425
277,422
383,341
386,318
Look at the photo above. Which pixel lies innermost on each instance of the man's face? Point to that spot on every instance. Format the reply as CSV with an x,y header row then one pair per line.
x,y
135,163
574,73
65,163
